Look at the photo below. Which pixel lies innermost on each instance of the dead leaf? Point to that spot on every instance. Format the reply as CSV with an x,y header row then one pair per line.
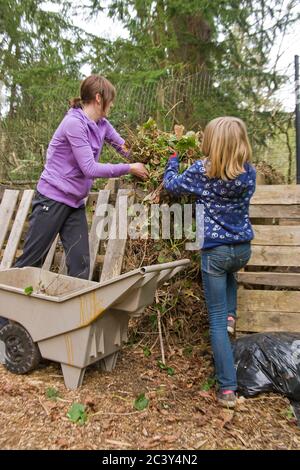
x,y
200,419
62,443
172,438
178,130
172,419
90,402
200,444
204,394
236,435
118,443
164,412
226,417
148,443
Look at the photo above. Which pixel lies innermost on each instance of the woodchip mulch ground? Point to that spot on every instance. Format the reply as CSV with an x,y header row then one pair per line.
x,y
180,415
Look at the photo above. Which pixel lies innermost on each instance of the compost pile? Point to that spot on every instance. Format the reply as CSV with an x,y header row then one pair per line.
x,y
180,303
271,175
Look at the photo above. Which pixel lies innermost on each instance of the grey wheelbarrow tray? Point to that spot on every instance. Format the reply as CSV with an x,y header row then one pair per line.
x,y
78,322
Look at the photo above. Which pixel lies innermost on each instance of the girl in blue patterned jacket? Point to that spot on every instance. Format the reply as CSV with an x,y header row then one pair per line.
x,y
223,182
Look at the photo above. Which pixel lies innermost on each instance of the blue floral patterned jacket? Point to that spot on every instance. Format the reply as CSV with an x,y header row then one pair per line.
x,y
225,203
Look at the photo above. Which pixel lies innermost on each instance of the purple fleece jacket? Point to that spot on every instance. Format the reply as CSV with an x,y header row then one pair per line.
x,y
72,158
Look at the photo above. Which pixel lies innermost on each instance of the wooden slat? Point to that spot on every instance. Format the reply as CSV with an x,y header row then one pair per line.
x,y
260,178
50,256
113,185
115,250
18,253
7,208
276,235
268,321
268,301
97,229
289,222
273,245
274,211
275,256
17,229
276,194
270,279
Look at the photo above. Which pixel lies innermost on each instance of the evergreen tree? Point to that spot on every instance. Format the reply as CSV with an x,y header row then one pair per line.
x,y
229,41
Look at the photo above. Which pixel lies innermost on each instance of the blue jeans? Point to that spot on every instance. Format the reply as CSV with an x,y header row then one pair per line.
x,y
219,266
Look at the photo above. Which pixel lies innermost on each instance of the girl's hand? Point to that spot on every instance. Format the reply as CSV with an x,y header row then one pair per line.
x,y
172,153
139,170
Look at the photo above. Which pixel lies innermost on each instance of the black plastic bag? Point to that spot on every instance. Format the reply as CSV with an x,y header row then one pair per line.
x,y
268,362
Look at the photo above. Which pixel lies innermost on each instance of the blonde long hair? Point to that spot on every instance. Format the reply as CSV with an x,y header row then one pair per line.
x,y
226,147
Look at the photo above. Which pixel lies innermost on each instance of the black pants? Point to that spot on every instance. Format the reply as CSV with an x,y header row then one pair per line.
x,y
48,218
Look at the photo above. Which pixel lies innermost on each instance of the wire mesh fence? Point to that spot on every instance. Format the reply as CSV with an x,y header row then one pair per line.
x,y
28,122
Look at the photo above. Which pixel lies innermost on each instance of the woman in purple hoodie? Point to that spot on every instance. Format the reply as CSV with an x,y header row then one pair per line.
x,y
71,166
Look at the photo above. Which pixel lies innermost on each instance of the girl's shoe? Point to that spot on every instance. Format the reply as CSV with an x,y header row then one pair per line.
x,y
231,325
226,398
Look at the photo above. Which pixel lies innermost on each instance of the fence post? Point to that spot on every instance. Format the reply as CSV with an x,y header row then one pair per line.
x,y
297,122
161,104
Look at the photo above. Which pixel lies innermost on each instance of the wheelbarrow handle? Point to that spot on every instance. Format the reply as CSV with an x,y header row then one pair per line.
x,y
160,267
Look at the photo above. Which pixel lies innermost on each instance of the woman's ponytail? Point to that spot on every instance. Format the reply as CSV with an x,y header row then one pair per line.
x,y
75,103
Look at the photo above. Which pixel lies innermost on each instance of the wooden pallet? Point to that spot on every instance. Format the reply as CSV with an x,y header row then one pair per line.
x,y
15,208
269,296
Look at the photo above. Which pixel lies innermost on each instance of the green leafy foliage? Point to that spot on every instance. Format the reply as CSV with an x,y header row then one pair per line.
x,y
188,351
197,53
141,402
28,290
153,321
153,147
170,371
52,393
147,352
208,384
77,413
288,414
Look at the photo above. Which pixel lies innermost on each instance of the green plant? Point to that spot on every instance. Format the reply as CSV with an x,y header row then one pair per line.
x,y
77,414
288,413
151,146
170,371
52,393
146,351
153,321
188,351
141,402
28,290
206,386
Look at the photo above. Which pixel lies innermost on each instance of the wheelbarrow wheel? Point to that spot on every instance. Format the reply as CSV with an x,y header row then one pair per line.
x,y
21,353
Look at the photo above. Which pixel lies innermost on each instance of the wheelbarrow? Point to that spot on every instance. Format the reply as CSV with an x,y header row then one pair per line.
x,y
72,321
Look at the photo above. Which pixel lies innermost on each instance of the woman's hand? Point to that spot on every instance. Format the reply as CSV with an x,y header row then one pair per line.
x,y
125,148
139,170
